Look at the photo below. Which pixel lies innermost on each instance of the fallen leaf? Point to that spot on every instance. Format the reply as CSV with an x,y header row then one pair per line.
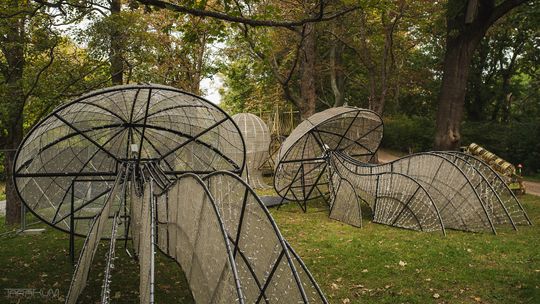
x,y
436,295
346,301
402,263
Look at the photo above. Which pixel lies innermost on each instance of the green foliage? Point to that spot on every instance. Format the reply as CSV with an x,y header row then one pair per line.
x,y
516,142
408,134
503,81
247,88
2,174
2,189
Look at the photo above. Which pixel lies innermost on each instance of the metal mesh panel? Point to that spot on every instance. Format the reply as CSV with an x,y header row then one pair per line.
x,y
257,139
259,261
425,191
396,199
345,203
509,207
145,247
265,264
196,241
89,249
300,170
83,143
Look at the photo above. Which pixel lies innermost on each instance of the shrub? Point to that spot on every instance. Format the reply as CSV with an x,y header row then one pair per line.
x,y
516,142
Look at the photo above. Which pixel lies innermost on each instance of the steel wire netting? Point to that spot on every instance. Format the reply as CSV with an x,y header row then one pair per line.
x,y
257,257
257,139
75,152
329,154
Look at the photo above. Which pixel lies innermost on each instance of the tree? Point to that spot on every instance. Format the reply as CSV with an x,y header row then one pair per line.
x,y
38,70
12,38
503,69
467,23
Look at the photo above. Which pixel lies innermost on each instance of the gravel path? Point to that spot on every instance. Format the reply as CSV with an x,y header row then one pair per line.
x,y
385,156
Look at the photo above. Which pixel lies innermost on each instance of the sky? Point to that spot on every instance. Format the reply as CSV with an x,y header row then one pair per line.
x,y
210,86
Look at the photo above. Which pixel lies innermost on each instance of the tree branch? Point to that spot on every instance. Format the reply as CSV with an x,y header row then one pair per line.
x,y
244,20
41,71
503,8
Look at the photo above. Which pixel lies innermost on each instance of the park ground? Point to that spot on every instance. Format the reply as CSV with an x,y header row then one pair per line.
x,y
372,264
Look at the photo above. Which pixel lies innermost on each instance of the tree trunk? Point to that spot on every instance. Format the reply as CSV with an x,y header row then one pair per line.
x,y
451,99
336,73
13,202
466,26
116,50
14,55
308,93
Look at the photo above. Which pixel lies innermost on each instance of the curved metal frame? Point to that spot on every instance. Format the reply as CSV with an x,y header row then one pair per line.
x,y
237,253
109,176
474,198
484,181
342,158
223,230
257,138
313,127
500,180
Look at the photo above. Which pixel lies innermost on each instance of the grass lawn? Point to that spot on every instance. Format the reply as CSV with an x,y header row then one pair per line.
x,y
2,191
374,264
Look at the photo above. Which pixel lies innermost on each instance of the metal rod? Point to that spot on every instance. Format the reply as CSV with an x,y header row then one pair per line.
x,y
152,240
72,225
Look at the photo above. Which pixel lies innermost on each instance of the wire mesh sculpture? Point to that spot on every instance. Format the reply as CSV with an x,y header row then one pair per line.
x,y
260,262
425,191
128,163
300,173
257,138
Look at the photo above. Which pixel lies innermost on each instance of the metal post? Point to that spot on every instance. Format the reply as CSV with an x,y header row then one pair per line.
x,y
152,240
72,225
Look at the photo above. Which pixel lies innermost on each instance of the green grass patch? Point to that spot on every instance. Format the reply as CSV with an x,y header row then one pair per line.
x,y
2,190
381,264
373,264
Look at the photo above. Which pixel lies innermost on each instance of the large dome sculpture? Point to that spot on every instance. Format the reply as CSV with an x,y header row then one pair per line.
x,y
75,153
257,139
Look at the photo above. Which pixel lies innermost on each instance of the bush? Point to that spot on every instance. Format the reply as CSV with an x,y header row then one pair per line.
x,y
517,142
408,134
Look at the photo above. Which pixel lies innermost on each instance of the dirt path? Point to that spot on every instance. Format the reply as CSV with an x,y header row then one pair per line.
x,y
532,188
386,156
